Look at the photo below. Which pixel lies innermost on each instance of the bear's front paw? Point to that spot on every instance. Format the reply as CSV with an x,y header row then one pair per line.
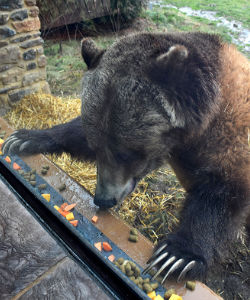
x,y
22,141
172,259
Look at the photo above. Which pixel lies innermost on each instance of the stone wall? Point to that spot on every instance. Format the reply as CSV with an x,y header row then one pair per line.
x,y
22,63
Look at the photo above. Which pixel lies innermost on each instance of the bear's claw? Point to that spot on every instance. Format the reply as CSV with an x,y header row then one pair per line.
x,y
188,267
14,144
156,254
176,264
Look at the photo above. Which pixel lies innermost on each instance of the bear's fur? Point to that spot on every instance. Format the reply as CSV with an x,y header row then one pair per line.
x,y
151,99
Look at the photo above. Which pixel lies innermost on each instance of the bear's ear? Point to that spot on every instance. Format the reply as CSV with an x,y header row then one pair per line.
x,y
175,56
91,53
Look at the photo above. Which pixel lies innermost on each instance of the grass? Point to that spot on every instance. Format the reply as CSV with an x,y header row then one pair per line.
x,y
231,9
172,19
66,67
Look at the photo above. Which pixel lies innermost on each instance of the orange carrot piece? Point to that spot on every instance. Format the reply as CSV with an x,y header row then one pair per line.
x,y
106,246
69,207
74,222
99,246
7,159
64,205
16,166
94,219
63,213
111,257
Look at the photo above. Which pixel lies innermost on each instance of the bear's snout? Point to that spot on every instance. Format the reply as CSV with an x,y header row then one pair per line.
x,y
104,203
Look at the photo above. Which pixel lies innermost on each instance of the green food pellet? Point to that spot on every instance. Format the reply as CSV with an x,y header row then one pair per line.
x,y
152,272
46,167
32,177
21,172
146,281
128,267
147,288
120,260
130,273
32,171
133,231
140,286
27,179
136,281
116,264
154,285
27,173
122,268
1,136
33,183
140,280
42,186
133,238
132,278
190,285
169,293
133,265
62,187
137,272
44,171
3,132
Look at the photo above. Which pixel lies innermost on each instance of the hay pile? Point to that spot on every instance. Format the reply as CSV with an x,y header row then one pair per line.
x,y
153,208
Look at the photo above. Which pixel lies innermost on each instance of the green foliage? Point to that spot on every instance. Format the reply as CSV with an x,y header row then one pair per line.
x,y
232,10
65,67
129,9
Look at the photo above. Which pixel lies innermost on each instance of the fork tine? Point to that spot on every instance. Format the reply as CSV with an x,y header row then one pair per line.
x,y
168,262
188,267
155,262
156,253
174,267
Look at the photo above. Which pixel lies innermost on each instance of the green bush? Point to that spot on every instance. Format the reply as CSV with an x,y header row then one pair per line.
x,y
129,9
123,11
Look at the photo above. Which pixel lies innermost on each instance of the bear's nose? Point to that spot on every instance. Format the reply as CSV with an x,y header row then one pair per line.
x,y
104,203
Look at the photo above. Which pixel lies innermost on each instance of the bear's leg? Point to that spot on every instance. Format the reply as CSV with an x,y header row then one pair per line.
x,y
68,137
209,222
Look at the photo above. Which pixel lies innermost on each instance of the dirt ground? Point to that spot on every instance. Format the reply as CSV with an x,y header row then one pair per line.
x,y
231,279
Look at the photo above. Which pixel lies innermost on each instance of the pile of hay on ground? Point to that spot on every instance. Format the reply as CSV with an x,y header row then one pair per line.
x,y
153,208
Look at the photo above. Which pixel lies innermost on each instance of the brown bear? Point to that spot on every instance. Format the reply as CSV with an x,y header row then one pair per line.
x,y
152,99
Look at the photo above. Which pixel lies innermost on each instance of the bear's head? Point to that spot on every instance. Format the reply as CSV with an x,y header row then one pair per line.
x,y
139,98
